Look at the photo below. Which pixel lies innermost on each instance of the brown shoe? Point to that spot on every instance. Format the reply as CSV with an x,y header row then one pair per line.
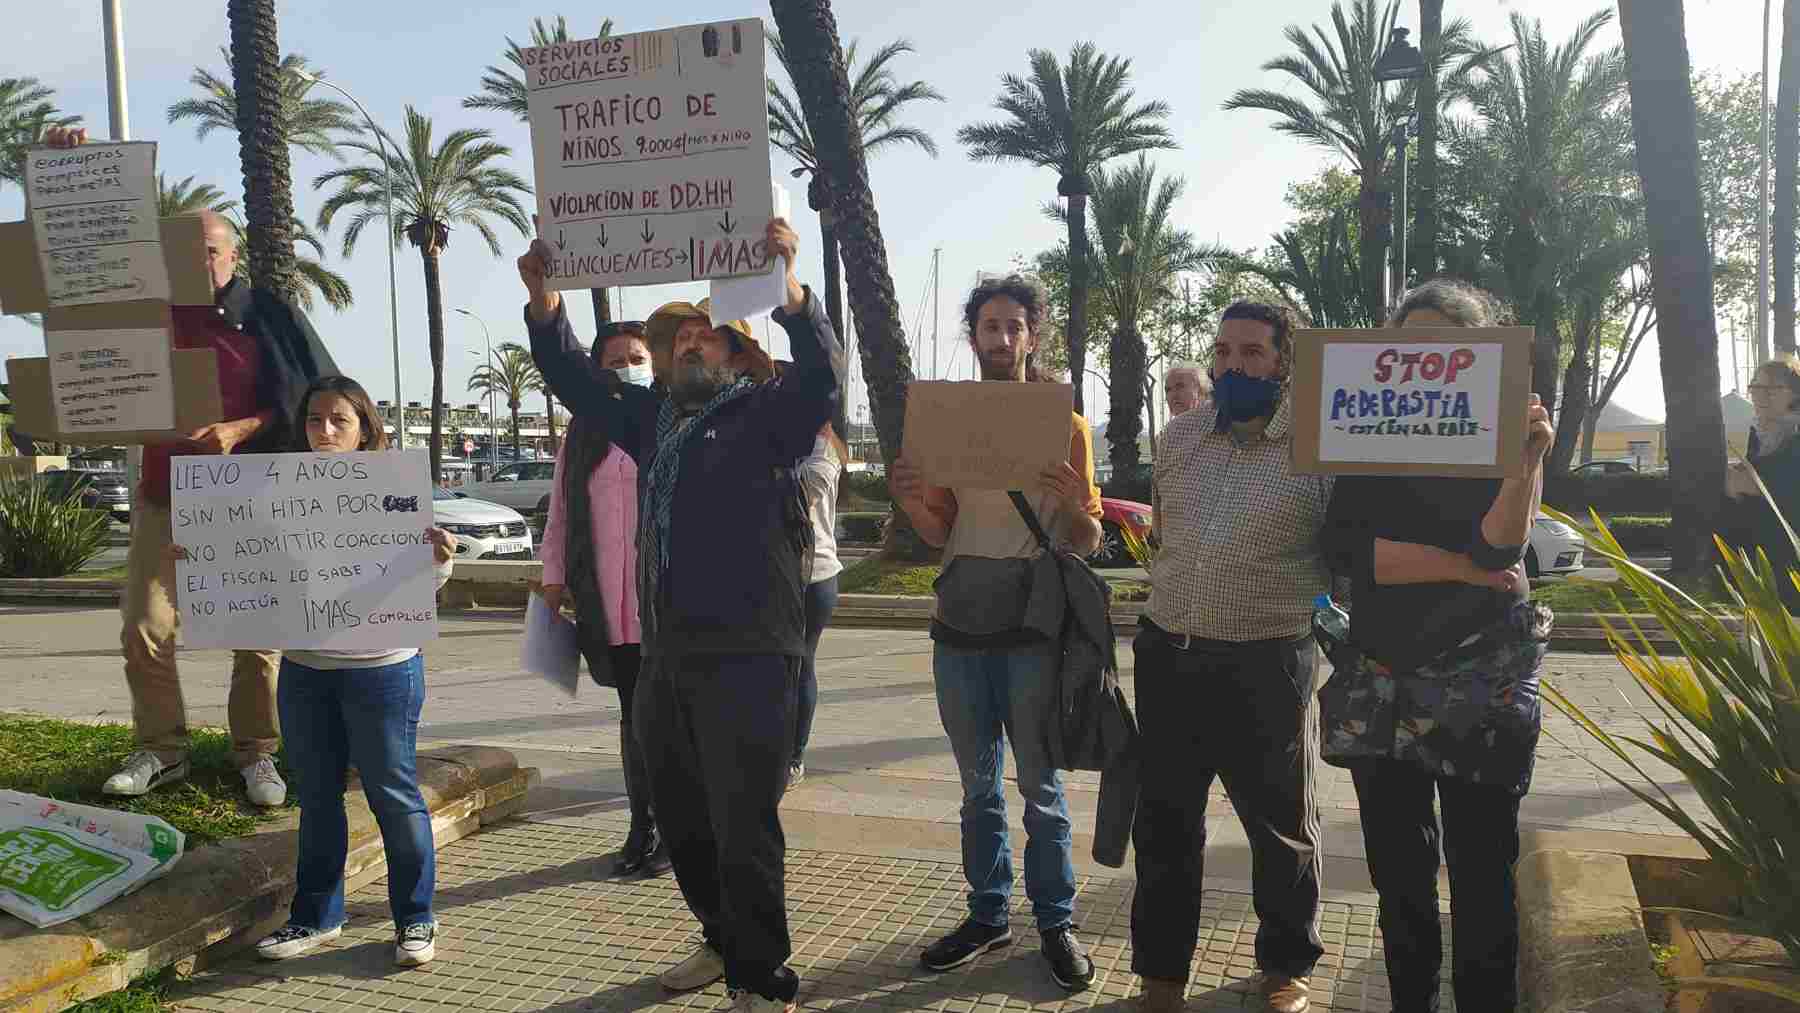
x,y
1162,996
1285,994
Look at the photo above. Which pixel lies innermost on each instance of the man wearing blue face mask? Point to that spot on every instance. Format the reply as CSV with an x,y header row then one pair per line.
x,y
1225,668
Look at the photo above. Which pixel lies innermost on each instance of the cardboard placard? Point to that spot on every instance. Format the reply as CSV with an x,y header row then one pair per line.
x,y
93,214
196,378
321,551
976,434
111,380
651,154
1411,401
184,253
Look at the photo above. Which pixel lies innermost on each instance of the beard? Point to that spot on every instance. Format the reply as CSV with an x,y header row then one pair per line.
x,y
694,383
1000,364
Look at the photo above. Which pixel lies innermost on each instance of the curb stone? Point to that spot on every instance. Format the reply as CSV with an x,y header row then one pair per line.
x,y
1582,947
223,897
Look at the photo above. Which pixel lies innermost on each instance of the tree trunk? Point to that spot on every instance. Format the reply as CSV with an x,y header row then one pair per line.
x,y
1124,420
514,406
1424,233
1573,413
262,153
1668,156
602,307
834,308
1787,160
816,65
1150,403
1546,348
1078,295
1370,249
434,320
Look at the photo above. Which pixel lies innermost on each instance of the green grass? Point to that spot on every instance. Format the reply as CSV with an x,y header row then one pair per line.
x,y
69,761
107,573
1598,596
147,994
877,576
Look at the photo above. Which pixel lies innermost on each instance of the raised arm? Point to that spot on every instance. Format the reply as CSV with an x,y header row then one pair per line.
x,y
1498,543
807,396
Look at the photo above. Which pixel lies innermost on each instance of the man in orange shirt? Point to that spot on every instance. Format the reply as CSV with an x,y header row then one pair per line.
x,y
996,681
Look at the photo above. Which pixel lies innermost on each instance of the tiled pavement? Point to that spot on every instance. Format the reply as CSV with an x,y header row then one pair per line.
x,y
531,924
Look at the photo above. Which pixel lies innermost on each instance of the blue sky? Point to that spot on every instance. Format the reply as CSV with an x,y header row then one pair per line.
x,y
431,55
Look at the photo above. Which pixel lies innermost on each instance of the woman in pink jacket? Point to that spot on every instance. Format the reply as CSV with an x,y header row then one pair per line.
x,y
590,565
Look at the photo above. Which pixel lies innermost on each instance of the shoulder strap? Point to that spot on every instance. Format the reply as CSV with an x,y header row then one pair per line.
x,y
1030,518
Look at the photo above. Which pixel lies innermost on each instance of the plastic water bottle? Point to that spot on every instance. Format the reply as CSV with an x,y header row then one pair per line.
x,y
1330,624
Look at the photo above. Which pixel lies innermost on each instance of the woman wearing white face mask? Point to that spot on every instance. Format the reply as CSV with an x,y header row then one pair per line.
x,y
590,567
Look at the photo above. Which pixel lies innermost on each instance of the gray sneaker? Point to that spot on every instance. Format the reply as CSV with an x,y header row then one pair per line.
x,y
143,772
415,944
292,940
263,785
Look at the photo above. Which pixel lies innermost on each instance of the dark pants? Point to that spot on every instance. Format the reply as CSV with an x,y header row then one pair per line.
x,y
1243,713
368,717
623,661
821,599
1481,844
717,731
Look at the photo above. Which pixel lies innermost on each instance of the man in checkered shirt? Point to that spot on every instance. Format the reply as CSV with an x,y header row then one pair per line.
x,y
1225,668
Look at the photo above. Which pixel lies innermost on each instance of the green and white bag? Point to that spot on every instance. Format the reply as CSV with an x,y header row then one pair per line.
x,y
59,860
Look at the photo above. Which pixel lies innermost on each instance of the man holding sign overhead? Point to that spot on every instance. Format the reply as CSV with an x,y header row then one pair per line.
x,y
724,548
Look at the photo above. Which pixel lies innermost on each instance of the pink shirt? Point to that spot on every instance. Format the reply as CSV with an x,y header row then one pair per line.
x,y
612,504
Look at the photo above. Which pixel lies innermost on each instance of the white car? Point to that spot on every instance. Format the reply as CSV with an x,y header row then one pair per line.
x,y
483,530
1555,548
522,485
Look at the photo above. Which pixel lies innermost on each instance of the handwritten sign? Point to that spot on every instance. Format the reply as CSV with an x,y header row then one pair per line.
x,y
652,155
94,216
974,434
1411,401
305,551
110,380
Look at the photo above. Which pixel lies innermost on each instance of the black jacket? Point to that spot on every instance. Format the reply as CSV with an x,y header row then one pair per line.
x,y
739,537
1751,524
292,357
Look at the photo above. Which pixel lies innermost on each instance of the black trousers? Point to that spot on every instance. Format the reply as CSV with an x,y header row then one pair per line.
x,y
1480,838
717,732
623,660
1245,713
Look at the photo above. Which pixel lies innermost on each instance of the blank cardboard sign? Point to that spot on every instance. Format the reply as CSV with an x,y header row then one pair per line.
x,y
975,434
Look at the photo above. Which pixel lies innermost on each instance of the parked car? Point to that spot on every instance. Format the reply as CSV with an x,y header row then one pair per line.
x,y
1117,515
522,485
483,530
104,490
455,472
1594,469
1555,548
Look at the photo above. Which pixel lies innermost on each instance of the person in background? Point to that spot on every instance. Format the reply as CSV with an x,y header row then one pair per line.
x,y
1774,456
819,475
1440,598
590,566
267,354
1185,385
359,708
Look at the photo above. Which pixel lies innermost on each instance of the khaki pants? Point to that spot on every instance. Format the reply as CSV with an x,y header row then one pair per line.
x,y
157,709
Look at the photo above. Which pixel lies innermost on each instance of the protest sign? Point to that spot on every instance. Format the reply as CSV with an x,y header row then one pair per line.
x,y
93,212
1411,401
652,155
323,551
111,380
973,434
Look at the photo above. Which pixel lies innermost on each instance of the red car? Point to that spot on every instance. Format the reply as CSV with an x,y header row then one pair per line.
x,y
1115,515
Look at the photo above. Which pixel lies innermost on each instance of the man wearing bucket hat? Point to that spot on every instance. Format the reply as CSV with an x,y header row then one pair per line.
x,y
724,552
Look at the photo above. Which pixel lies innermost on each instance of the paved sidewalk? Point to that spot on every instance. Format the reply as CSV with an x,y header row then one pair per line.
x,y
530,923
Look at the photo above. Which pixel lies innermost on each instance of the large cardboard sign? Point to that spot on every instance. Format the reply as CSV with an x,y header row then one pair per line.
x,y
1411,401
111,380
975,434
305,550
93,213
652,155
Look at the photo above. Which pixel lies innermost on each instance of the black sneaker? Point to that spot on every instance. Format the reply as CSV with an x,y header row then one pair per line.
x,y
1069,963
970,940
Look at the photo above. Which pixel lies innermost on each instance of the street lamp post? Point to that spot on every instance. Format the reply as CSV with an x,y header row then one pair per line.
x,y
493,420
387,176
1401,61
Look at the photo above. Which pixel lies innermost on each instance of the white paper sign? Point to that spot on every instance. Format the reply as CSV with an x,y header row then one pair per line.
x,y
305,550
94,215
652,155
551,647
743,298
111,380
1420,403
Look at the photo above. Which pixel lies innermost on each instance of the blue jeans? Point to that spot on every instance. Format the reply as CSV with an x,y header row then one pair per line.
x,y
985,697
369,717
821,600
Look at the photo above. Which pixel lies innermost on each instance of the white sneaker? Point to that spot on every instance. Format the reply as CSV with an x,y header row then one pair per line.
x,y
292,940
701,969
142,772
749,1002
264,786
415,944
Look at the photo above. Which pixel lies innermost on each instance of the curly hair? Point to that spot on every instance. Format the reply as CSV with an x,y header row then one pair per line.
x,y
1457,301
1281,321
1025,291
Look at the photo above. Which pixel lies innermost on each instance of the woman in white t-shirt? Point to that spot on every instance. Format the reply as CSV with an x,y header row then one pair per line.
x,y
819,474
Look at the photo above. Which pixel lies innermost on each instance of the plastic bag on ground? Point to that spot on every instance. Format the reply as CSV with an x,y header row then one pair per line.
x,y
60,860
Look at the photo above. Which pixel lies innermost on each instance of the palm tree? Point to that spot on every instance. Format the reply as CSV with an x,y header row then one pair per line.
x,y
1315,270
1668,158
434,190
313,277
876,99
311,124
1787,160
1137,257
185,198
1072,119
262,148
503,90
25,113
1423,234
511,376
